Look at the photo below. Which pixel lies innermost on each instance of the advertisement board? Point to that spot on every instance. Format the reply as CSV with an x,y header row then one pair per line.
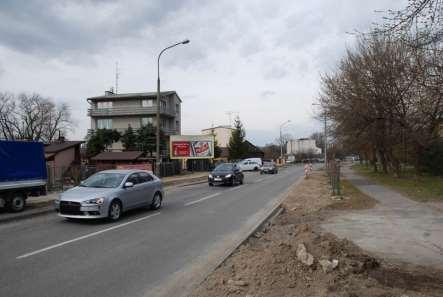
x,y
191,146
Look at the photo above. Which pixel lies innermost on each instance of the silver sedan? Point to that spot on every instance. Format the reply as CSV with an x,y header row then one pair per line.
x,y
108,193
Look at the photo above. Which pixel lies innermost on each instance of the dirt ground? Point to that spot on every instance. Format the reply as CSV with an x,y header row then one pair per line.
x,y
292,256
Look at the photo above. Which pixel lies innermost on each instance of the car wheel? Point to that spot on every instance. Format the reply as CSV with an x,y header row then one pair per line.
x,y
255,168
241,181
115,210
156,201
211,184
17,202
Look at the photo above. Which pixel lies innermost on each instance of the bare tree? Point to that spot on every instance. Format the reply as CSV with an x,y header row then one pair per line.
x,y
420,23
32,117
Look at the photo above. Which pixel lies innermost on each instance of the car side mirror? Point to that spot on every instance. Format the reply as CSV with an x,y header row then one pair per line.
x,y
128,185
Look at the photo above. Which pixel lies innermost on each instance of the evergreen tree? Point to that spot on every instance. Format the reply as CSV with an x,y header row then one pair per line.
x,y
99,140
129,140
237,145
217,149
146,140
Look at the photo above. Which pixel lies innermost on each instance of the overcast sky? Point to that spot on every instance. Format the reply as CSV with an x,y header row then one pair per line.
x,y
261,59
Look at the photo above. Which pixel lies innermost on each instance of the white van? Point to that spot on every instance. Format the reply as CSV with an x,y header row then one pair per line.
x,y
250,164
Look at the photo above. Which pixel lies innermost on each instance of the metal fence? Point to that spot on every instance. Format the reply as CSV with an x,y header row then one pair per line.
x,y
333,171
199,165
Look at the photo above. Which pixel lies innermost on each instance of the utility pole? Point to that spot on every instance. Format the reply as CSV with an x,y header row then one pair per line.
x,y
325,136
326,141
281,139
117,76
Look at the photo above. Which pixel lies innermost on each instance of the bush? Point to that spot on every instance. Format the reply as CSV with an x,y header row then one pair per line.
x,y
432,158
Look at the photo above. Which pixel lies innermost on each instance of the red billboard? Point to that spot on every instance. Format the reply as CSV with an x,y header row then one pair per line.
x,y
192,146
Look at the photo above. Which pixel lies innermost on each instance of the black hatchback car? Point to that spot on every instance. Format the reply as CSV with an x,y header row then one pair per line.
x,y
226,174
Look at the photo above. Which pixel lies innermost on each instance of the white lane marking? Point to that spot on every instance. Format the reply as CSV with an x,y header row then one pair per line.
x,y
233,189
202,199
85,236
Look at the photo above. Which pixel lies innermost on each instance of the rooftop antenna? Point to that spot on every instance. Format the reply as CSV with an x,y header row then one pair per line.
x,y
117,76
230,113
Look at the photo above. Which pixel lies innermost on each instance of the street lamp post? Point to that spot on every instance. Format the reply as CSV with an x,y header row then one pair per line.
x,y
281,139
325,136
157,132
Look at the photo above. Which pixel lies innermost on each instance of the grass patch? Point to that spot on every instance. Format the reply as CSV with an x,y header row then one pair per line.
x,y
420,188
353,198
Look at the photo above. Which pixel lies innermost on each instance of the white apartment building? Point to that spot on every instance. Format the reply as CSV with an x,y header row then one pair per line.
x,y
302,146
222,134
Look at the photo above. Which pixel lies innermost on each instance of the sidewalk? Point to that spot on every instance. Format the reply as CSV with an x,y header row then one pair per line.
x,y
397,228
44,204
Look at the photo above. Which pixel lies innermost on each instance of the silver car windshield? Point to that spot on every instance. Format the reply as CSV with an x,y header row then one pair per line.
x,y
103,180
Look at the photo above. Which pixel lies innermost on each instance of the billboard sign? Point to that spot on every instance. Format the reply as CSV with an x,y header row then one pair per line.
x,y
191,146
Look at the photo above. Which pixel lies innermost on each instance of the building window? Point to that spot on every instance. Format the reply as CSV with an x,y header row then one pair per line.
x,y
177,125
177,108
164,123
104,124
147,103
163,104
147,121
104,104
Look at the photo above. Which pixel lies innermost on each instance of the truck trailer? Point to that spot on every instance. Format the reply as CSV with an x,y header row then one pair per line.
x,y
22,173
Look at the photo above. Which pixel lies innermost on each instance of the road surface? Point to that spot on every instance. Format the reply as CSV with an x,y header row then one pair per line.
x,y
51,256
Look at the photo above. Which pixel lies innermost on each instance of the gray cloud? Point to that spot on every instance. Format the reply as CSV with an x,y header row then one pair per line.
x,y
267,94
63,28
240,51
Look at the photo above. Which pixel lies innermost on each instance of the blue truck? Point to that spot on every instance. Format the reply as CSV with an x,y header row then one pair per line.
x,y
22,173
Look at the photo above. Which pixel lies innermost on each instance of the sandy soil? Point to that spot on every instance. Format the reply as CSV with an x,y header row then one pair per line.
x,y
271,263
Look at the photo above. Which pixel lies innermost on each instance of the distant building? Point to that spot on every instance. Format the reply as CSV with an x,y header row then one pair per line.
x,y
118,111
222,134
302,146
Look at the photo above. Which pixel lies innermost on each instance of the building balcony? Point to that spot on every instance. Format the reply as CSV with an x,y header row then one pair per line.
x,y
129,111
166,131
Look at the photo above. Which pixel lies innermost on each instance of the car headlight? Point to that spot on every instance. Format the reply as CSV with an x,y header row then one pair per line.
x,y
95,201
228,176
210,176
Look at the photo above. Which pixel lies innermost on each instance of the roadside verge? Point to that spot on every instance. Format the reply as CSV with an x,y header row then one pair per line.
x,y
295,256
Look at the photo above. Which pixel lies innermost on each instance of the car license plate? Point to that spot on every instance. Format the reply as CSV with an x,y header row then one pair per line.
x,y
217,179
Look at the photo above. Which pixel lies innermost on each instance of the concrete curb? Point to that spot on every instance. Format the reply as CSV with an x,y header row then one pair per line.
x,y
4,218
182,283
38,211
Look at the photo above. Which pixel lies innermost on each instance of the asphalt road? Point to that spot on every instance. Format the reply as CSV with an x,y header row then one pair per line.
x,y
51,256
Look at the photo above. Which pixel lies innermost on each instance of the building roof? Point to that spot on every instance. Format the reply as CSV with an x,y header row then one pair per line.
x,y
56,147
128,96
218,127
118,156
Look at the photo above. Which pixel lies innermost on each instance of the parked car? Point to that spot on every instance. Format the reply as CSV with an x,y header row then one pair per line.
x,y
226,174
269,167
109,193
251,164
22,173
